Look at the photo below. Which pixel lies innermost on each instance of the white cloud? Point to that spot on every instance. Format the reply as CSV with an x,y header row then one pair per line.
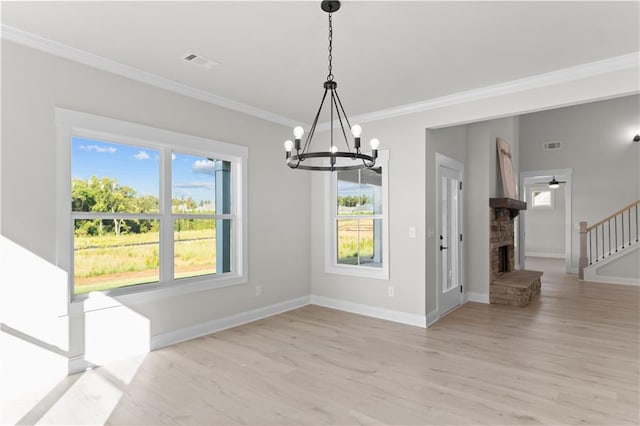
x,y
204,167
141,155
173,156
191,185
98,148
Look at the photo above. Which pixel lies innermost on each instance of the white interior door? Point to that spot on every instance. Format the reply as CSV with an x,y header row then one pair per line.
x,y
449,239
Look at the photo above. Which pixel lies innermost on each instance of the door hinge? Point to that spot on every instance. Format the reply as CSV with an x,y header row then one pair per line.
x,y
461,286
460,237
460,185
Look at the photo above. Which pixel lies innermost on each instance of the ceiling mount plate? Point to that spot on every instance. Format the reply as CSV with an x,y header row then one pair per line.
x,y
330,6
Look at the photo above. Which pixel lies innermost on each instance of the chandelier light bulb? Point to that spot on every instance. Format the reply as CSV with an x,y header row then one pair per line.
x,y
298,132
334,149
356,130
375,143
288,146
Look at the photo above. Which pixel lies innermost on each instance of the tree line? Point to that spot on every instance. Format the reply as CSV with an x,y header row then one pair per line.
x,y
106,195
353,200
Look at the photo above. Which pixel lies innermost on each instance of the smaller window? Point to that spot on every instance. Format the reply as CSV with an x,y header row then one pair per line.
x,y
541,199
357,236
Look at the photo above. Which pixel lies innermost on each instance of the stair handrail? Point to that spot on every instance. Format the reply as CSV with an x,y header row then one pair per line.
x,y
611,216
590,233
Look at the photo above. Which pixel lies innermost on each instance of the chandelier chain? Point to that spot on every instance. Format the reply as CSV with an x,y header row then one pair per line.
x,y
330,76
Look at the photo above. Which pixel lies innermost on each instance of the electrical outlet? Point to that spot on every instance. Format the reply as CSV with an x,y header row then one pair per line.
x,y
391,291
258,290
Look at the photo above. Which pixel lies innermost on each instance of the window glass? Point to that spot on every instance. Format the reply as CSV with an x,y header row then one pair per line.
x,y
541,198
359,192
359,242
193,184
113,178
105,258
194,247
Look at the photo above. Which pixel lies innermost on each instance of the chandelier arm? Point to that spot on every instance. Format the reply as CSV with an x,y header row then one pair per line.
x,y
342,108
370,165
342,125
333,100
315,123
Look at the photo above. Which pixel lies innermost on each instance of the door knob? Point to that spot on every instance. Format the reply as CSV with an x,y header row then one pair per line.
x,y
442,247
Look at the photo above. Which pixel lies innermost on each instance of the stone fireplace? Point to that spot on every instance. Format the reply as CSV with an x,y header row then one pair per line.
x,y
507,285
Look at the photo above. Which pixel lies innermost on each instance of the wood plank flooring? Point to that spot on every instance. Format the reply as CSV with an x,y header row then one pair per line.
x,y
570,357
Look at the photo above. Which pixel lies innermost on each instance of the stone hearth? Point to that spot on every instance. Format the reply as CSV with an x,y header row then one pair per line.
x,y
508,286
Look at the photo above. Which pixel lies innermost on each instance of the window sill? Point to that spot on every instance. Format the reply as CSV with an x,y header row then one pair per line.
x,y
358,271
146,293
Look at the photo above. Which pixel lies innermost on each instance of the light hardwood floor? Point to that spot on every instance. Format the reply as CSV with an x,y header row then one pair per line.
x,y
570,357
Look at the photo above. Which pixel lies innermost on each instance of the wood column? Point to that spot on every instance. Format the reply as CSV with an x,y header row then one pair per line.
x,y
583,261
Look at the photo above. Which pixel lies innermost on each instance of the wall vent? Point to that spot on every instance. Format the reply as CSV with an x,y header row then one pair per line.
x,y
551,146
200,60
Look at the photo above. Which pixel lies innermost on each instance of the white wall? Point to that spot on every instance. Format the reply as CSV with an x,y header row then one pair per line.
x,y
34,83
627,266
597,145
545,228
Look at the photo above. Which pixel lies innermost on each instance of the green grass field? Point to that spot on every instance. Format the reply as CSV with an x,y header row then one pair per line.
x,y
349,240
110,261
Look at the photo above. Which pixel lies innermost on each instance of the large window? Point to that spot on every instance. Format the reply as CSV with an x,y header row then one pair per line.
x,y
357,242
147,208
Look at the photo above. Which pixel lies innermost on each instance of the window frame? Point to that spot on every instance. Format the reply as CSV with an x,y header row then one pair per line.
x,y
331,231
71,123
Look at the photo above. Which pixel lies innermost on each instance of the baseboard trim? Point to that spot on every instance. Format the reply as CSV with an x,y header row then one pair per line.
x,y
78,364
476,297
603,279
432,317
545,254
370,311
199,330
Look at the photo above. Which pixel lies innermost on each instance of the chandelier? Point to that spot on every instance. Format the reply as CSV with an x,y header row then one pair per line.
x,y
333,159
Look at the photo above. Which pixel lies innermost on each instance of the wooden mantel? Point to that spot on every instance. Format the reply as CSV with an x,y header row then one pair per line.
x,y
514,206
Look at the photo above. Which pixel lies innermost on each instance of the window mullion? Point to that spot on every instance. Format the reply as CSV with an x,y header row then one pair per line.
x,y
166,222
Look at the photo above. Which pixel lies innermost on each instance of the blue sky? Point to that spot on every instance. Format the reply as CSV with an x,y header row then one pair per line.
x,y
139,168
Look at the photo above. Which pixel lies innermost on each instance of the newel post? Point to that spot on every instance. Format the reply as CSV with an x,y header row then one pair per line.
x,y
583,261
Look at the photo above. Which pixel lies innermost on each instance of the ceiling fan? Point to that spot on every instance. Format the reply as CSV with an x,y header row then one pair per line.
x,y
553,183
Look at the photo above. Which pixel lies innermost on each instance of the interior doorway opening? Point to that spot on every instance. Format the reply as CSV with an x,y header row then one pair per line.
x,y
544,229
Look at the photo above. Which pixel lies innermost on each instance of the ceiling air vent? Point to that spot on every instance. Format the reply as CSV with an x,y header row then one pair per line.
x,y
552,146
200,60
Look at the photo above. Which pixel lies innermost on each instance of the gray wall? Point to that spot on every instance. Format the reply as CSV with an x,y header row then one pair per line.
x,y
452,142
412,185
34,83
483,182
597,145
286,230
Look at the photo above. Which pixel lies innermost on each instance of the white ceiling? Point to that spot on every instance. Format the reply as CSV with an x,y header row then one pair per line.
x,y
386,54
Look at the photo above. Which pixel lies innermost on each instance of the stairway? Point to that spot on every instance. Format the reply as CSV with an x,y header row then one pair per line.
x,y
610,248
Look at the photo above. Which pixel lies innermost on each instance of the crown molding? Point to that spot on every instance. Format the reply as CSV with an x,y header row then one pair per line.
x,y
617,63
578,72
67,52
